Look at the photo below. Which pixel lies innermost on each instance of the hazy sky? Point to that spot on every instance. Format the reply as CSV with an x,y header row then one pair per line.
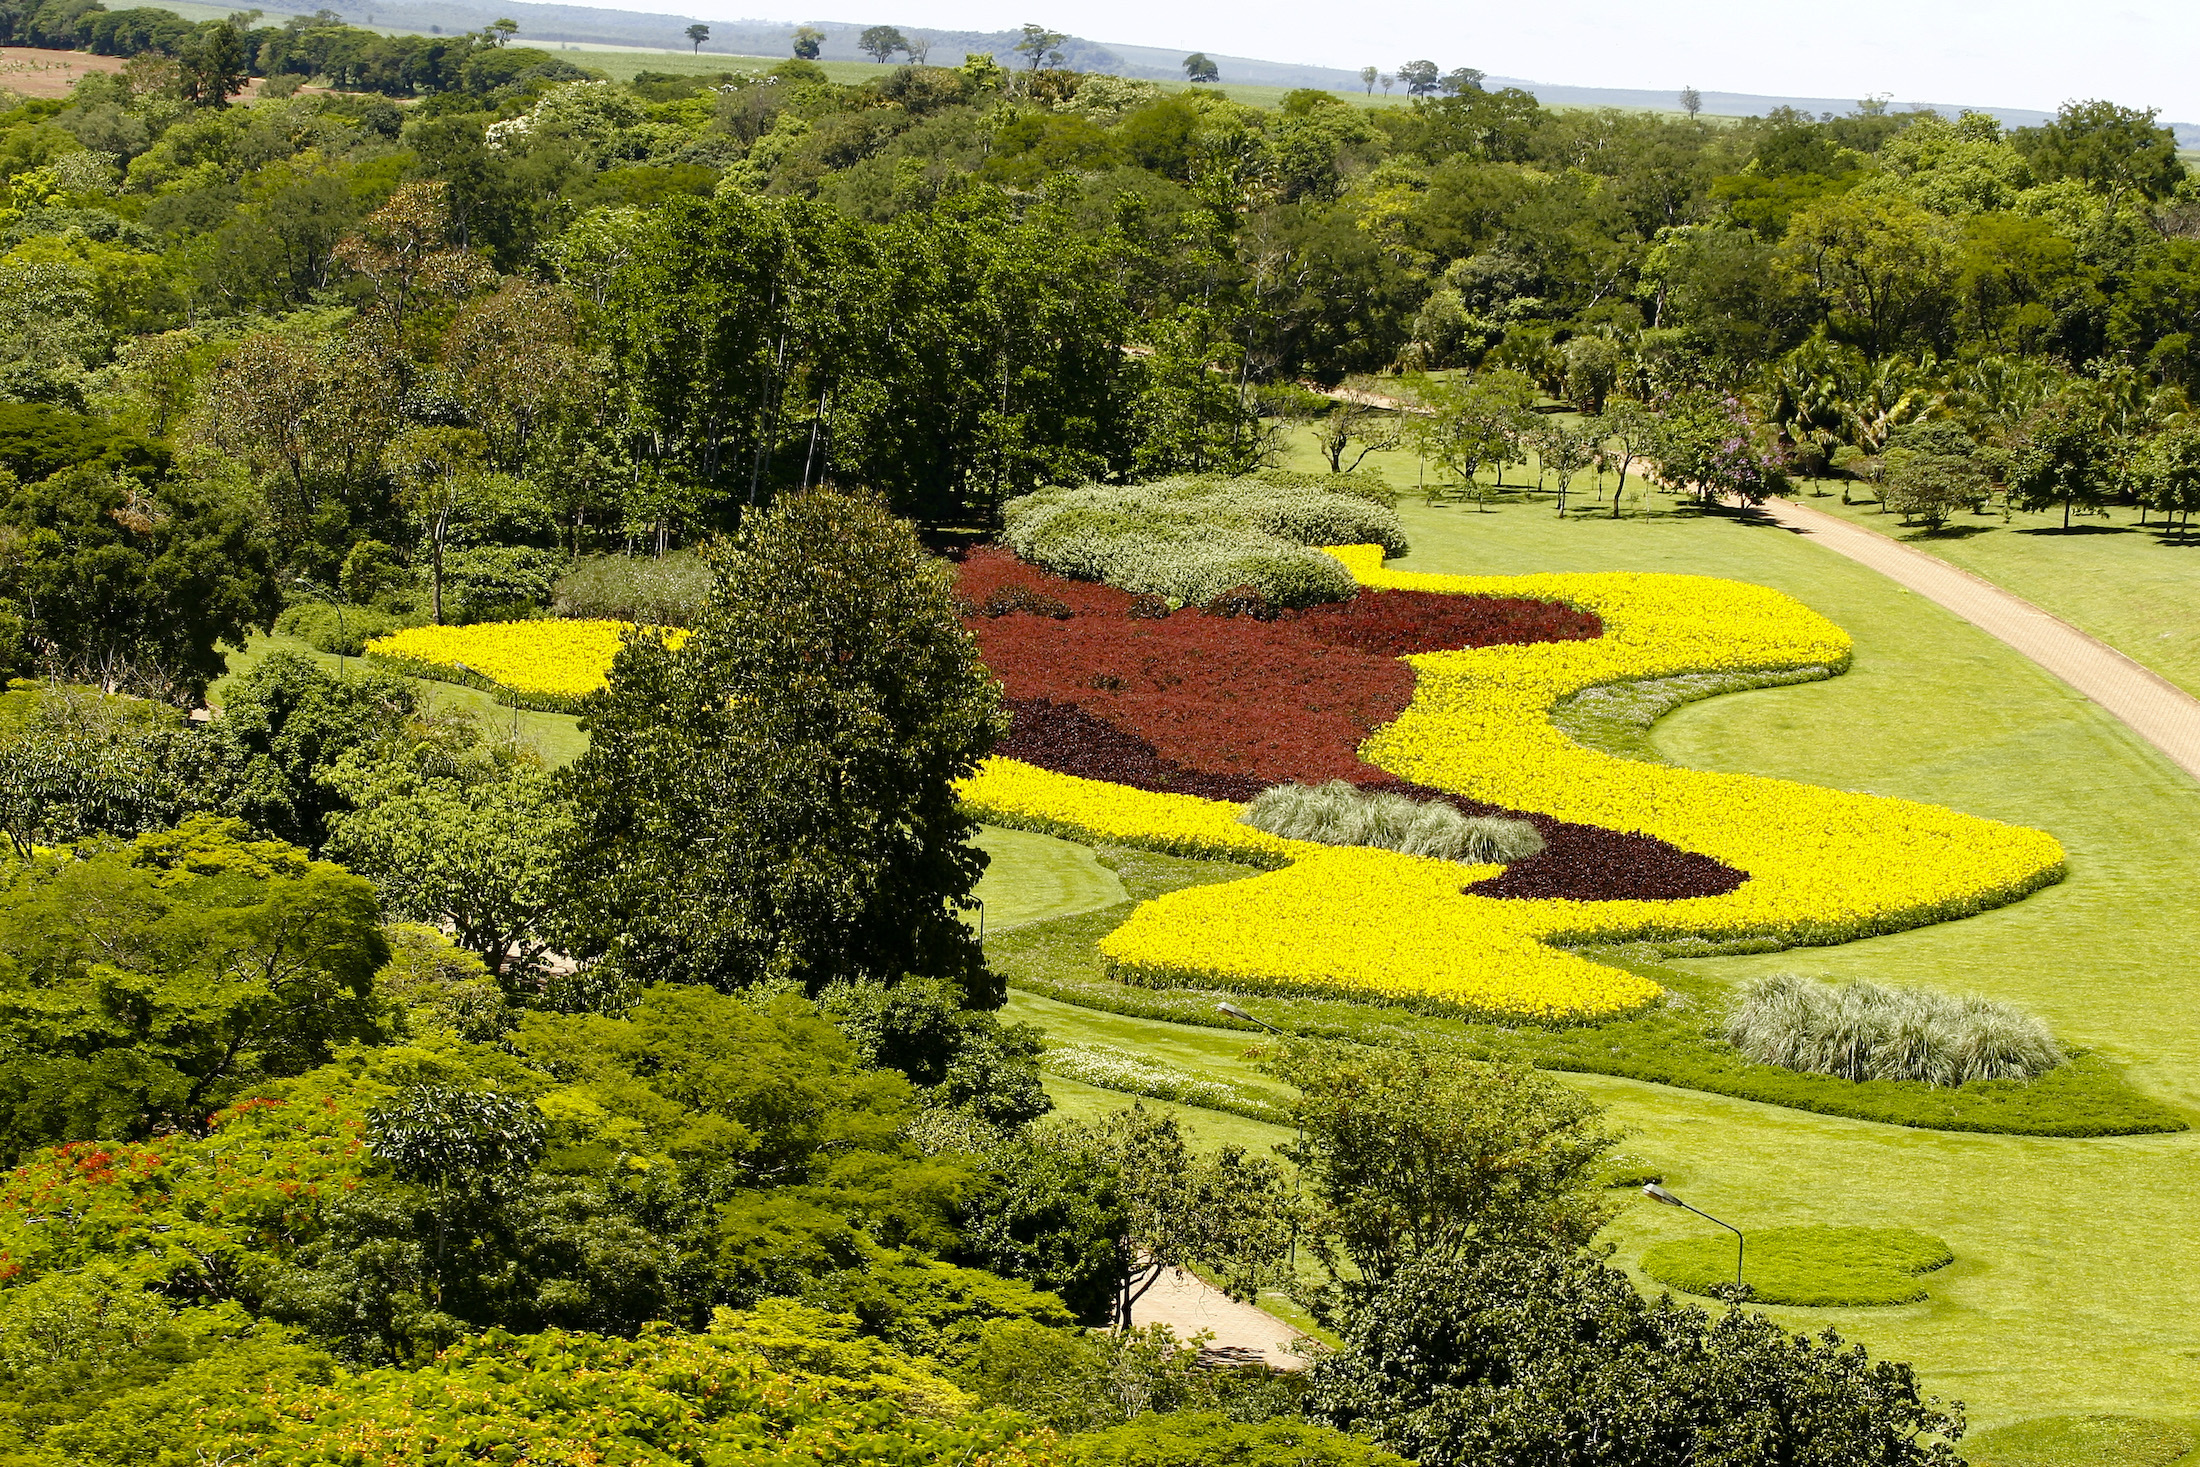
x,y
2014,53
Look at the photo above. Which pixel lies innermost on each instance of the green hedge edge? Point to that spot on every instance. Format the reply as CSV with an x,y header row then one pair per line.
x,y
440,672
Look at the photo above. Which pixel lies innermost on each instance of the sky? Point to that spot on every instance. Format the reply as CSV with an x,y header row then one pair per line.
x,y
2010,53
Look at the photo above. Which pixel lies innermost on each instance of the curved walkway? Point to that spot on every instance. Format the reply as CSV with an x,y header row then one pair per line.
x,y
1188,1304
2151,706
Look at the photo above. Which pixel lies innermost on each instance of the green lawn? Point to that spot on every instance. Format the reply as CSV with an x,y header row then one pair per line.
x,y
2074,1286
1035,876
2135,587
557,735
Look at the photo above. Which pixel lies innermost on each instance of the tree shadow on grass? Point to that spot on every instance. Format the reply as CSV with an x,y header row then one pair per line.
x,y
1929,533
2076,530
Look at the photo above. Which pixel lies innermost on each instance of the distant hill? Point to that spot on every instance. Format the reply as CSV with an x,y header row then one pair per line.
x,y
595,25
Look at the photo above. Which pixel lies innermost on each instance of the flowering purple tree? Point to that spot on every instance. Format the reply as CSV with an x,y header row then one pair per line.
x,y
1707,446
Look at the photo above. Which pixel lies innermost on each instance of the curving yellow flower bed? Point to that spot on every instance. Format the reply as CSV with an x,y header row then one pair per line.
x,y
1824,866
549,663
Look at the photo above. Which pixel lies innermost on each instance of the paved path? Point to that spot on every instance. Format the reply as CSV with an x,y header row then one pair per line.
x,y
1188,1304
2153,707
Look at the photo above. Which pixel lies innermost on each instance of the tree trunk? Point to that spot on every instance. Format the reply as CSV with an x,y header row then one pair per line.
x,y
435,563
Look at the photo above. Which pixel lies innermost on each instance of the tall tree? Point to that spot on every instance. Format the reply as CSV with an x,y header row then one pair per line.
x,y
129,587
1040,47
1418,1153
438,472
1527,1357
697,34
404,252
2066,454
774,800
880,42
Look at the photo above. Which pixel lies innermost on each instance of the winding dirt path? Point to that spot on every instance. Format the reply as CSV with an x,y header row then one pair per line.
x,y
1187,1304
2151,706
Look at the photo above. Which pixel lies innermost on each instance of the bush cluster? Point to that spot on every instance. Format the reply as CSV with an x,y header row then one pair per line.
x,y
1862,1031
1192,539
1340,814
659,591
322,627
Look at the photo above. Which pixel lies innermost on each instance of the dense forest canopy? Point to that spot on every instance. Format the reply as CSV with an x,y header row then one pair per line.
x,y
586,315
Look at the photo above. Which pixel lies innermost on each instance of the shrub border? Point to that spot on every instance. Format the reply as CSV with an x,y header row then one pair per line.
x,y
443,672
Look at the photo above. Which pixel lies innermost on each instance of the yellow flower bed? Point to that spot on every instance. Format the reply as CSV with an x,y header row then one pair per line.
x,y
557,662
1823,866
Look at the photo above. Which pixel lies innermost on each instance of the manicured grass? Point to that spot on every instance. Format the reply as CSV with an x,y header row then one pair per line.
x,y
1134,1072
1037,876
1207,1129
1671,1043
2080,1441
2073,1285
1813,1267
557,735
2075,1282
2132,586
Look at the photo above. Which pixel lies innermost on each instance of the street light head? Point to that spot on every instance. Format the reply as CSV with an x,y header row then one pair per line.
x,y
1657,1193
1235,1012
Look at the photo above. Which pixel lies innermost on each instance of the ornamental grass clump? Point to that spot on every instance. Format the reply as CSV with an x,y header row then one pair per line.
x,y
1340,814
1862,1031
1191,539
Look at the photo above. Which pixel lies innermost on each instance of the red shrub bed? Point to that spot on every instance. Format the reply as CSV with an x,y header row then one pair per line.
x,y
1101,687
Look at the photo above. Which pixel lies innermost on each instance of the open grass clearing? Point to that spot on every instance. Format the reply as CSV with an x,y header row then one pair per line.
x,y
1033,877
2081,1441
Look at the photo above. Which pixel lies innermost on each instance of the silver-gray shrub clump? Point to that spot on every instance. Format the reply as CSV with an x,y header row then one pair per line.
x,y
1190,539
1337,814
1861,1031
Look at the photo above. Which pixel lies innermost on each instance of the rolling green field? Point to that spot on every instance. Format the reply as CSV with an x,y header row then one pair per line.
x,y
620,63
2073,1289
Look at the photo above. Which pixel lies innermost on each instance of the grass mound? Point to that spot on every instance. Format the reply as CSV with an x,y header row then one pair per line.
x,y
1821,1267
2079,1441
1190,540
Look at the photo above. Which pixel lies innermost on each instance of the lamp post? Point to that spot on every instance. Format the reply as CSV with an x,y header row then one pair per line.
x,y
335,598
1657,1193
1233,1011
470,672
